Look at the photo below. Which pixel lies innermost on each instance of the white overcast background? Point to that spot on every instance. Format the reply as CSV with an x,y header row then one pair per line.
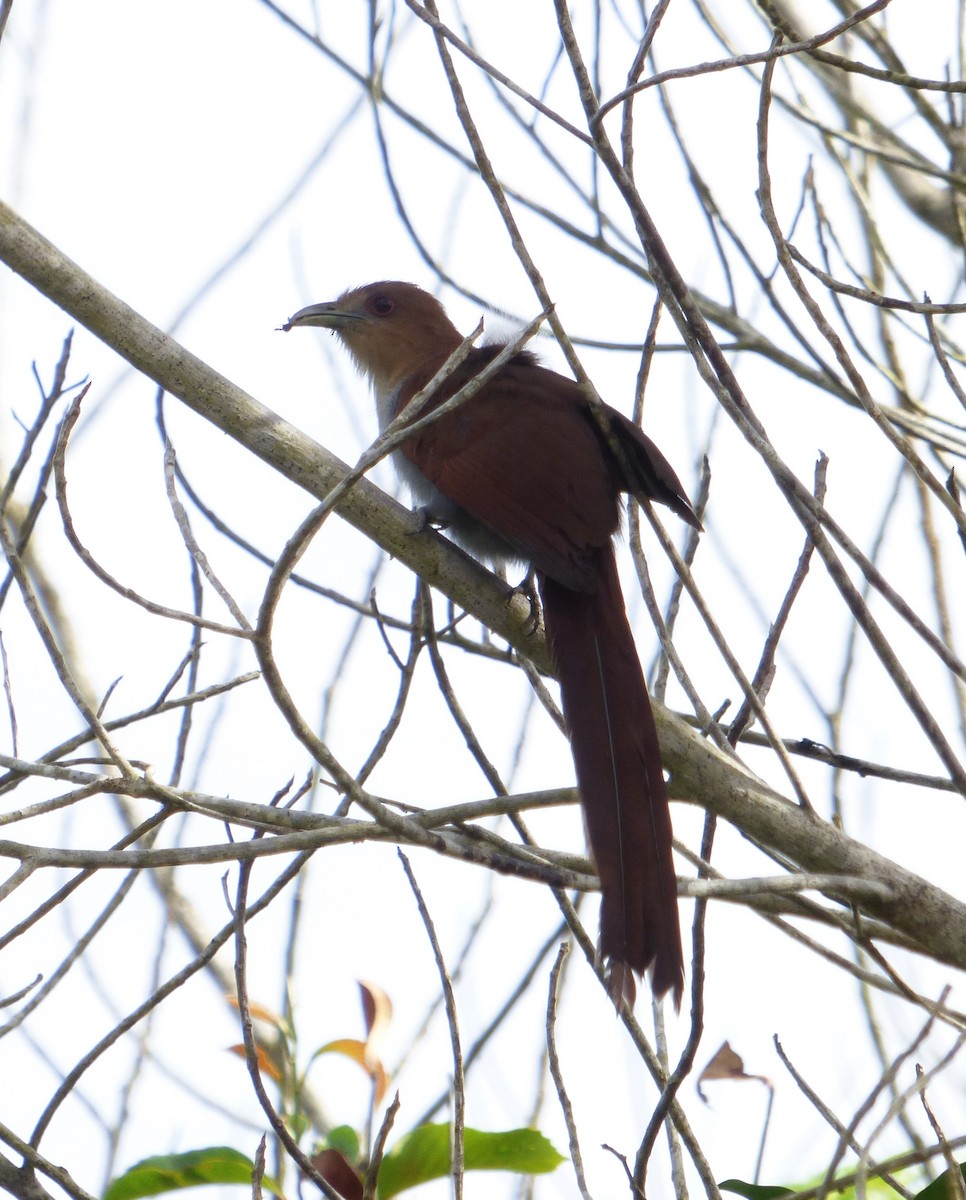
x,y
207,146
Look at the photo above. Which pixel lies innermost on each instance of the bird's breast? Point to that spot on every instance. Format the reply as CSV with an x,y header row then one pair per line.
x,y
465,529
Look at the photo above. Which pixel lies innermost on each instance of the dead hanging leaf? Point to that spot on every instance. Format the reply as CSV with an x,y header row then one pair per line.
x,y
726,1064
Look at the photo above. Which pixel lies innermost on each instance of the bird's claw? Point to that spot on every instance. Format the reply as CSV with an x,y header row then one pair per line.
x,y
425,520
527,588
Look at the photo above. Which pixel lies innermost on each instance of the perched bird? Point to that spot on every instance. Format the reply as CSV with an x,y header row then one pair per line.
x,y
523,472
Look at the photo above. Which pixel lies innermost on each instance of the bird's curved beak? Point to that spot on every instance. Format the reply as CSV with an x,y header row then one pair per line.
x,y
327,315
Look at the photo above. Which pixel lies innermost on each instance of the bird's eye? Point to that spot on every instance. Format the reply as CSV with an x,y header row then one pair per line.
x,y
382,306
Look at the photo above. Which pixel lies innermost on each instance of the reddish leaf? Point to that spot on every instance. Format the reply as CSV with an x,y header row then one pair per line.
x,y
265,1064
336,1170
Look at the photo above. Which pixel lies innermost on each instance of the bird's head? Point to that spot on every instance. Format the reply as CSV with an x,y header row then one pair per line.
x,y
389,328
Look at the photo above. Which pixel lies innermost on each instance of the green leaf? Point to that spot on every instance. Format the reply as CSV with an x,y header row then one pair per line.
x,y
170,1172
875,1189
344,1139
755,1191
940,1189
424,1154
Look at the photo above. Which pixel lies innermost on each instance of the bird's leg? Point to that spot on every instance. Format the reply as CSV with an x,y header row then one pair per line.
x,y
527,588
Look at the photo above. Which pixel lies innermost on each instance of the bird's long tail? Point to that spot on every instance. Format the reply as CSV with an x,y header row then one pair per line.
x,y
619,774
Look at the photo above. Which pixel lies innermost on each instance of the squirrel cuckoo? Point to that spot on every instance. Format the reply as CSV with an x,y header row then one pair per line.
x,y
523,472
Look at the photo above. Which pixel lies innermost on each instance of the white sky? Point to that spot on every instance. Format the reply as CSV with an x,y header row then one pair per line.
x,y
148,143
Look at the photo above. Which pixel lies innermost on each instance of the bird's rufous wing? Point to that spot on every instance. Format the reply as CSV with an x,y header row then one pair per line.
x,y
508,473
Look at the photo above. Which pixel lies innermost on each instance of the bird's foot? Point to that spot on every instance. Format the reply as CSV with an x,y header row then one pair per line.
x,y
425,520
527,588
